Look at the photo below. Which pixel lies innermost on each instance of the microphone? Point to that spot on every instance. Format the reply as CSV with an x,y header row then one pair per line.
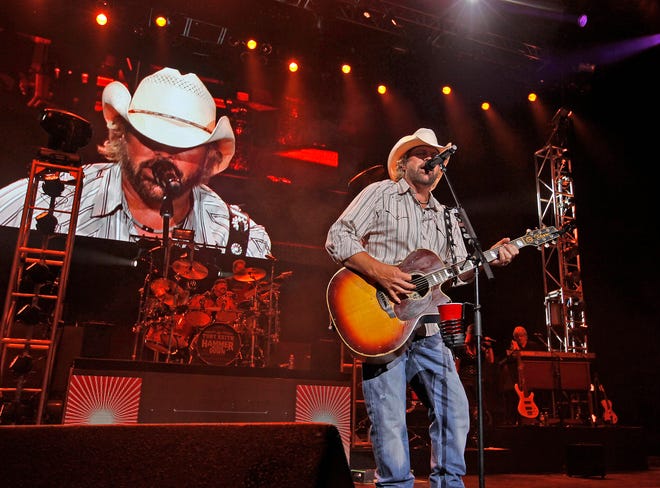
x,y
166,176
541,338
439,158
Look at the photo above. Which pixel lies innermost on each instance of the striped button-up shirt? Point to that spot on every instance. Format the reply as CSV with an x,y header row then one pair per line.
x,y
104,212
387,222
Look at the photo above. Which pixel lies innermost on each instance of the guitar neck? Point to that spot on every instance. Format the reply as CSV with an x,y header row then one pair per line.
x,y
450,272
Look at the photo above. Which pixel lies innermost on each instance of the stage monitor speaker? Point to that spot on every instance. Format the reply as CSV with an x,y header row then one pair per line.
x,y
585,460
291,455
543,374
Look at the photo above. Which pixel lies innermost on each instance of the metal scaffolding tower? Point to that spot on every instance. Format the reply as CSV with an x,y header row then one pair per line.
x,y
37,284
564,301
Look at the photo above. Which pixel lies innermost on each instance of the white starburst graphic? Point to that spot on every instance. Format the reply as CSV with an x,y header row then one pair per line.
x,y
103,400
327,404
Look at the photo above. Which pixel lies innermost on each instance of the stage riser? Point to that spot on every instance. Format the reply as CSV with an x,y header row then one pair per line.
x,y
538,449
174,455
530,449
176,393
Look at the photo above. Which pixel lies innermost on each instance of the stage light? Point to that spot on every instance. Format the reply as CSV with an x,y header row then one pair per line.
x,y
532,97
485,106
293,66
38,273
21,365
582,20
393,21
446,90
101,19
161,21
53,186
251,44
382,89
346,68
29,314
46,223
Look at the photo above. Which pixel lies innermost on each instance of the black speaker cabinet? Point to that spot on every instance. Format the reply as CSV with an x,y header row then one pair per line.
x,y
550,371
559,375
288,455
585,460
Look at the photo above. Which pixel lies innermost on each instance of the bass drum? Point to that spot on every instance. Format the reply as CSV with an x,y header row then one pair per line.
x,y
217,345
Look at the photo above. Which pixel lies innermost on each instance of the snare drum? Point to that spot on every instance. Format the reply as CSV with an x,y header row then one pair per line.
x,y
218,345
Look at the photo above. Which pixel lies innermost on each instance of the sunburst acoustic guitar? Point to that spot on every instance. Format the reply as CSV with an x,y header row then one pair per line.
x,y
376,329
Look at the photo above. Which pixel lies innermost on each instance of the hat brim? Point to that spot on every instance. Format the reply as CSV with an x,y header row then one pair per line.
x,y
404,145
168,131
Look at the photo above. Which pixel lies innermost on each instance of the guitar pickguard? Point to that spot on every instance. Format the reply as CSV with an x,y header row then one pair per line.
x,y
385,303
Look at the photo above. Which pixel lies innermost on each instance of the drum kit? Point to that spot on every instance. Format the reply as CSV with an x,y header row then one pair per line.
x,y
232,323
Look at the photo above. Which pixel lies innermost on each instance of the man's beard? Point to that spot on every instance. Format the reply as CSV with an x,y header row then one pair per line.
x,y
150,192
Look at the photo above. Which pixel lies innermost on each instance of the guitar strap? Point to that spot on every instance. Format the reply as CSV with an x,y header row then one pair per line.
x,y
450,241
239,231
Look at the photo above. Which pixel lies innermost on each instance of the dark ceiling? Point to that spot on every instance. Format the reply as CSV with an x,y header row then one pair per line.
x,y
523,42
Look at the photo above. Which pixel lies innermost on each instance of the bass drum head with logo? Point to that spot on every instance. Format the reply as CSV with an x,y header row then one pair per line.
x,y
217,345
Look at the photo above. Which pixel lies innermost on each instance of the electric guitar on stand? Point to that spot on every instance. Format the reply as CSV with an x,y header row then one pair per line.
x,y
376,329
526,406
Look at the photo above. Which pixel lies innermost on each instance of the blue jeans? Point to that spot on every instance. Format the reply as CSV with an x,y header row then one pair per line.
x,y
429,365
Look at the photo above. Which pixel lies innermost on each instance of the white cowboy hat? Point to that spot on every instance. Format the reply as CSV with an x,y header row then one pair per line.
x,y
172,109
421,137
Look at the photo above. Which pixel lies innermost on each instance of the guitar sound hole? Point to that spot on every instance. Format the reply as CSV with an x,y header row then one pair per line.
x,y
422,287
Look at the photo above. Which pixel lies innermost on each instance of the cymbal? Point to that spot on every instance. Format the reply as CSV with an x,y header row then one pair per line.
x,y
168,292
248,275
190,271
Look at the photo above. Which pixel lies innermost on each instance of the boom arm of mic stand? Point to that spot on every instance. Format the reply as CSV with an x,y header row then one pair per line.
x,y
472,238
471,235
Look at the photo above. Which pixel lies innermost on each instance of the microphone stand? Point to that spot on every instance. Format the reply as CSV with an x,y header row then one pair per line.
x,y
478,260
167,211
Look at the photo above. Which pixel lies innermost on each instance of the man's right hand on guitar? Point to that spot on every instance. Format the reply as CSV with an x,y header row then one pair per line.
x,y
390,278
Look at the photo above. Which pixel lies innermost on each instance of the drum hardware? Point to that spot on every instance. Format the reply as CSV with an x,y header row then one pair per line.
x,y
283,276
235,327
250,317
186,266
249,275
168,292
168,335
190,270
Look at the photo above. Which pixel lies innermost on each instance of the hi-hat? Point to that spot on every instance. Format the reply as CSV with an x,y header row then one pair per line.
x,y
168,292
248,275
190,271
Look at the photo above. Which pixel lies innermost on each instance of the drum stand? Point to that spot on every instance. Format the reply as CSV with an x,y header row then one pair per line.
x,y
252,329
138,328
